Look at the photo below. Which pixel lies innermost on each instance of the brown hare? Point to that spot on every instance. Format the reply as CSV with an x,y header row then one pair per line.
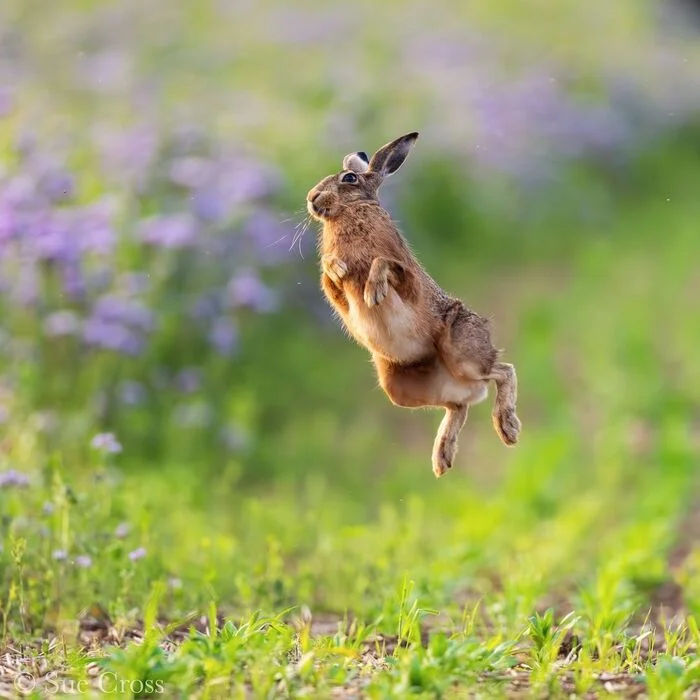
x,y
429,349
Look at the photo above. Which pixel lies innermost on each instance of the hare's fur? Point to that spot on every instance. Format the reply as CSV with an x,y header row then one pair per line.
x,y
428,348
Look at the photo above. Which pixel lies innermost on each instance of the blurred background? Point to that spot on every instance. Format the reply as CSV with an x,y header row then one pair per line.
x,y
158,280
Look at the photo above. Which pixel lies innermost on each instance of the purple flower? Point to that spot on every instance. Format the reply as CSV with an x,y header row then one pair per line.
x,y
92,226
169,231
7,223
47,508
245,180
223,336
235,438
26,288
106,443
247,289
132,393
134,282
112,336
61,323
52,237
13,478
6,102
73,281
57,185
83,561
208,204
20,192
122,530
129,154
118,324
206,307
270,237
191,172
189,380
110,70
129,312
59,555
137,554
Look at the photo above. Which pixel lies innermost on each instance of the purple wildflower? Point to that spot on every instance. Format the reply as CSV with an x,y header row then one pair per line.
x,y
172,231
129,154
137,554
112,336
6,102
224,336
245,180
61,323
189,380
122,530
206,307
110,70
57,185
235,438
26,288
269,235
74,284
13,478
20,192
208,204
92,226
247,289
191,172
7,220
106,442
132,393
47,508
129,312
52,236
59,555
83,561
134,282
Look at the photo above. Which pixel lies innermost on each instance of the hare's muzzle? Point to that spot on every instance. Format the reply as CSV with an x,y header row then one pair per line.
x,y
314,204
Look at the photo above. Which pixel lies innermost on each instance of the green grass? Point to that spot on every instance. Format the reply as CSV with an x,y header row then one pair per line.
x,y
539,568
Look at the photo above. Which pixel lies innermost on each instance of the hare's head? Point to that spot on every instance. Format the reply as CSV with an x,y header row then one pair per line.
x,y
359,180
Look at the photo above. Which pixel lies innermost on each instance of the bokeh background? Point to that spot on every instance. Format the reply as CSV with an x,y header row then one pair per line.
x,y
158,280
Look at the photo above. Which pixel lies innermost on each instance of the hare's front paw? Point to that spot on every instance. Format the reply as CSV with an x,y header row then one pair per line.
x,y
335,268
376,289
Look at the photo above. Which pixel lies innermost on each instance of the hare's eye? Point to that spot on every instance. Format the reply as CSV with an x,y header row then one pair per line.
x,y
349,177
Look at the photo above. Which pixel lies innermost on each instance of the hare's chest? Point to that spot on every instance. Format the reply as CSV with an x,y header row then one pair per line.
x,y
390,329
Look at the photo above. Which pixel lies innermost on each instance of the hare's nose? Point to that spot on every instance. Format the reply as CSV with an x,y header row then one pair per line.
x,y
313,195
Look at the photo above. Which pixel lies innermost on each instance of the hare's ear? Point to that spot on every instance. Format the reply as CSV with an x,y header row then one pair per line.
x,y
388,159
357,162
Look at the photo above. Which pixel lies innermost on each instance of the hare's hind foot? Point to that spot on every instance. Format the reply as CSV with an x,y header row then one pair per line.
x,y
505,420
445,445
466,349
507,425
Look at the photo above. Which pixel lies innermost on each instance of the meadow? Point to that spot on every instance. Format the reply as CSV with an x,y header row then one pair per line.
x,y
203,492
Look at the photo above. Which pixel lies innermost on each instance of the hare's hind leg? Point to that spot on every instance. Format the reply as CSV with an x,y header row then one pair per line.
x,y
445,445
429,384
505,420
466,349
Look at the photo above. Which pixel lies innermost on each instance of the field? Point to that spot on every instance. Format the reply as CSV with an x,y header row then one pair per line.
x,y
203,492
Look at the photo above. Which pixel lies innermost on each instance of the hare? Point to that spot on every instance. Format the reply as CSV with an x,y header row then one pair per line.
x,y
428,348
